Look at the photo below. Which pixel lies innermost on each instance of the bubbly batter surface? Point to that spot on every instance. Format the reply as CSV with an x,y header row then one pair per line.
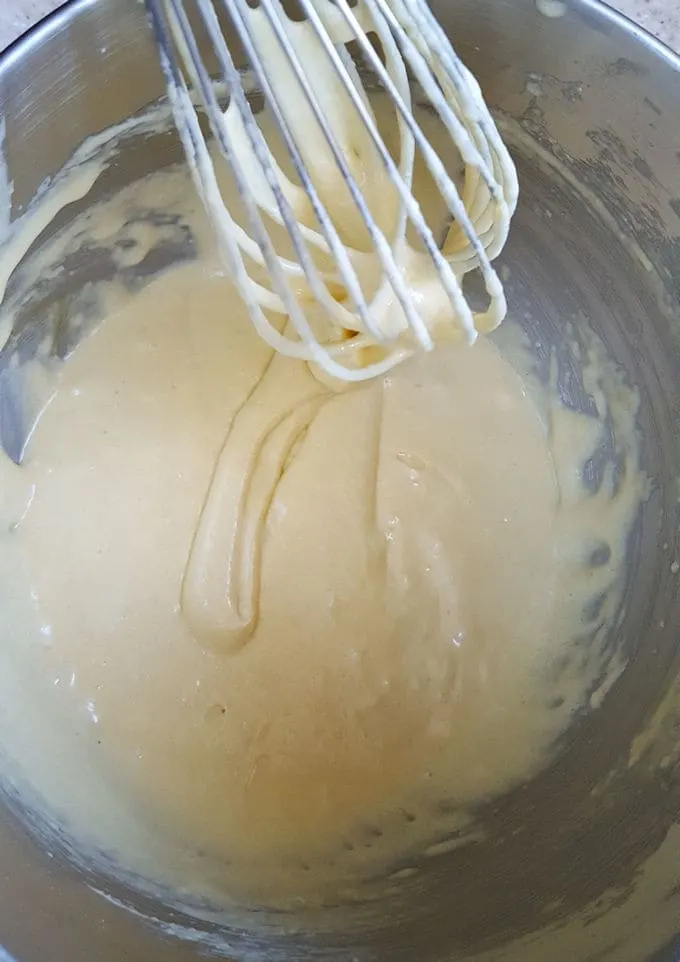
x,y
265,638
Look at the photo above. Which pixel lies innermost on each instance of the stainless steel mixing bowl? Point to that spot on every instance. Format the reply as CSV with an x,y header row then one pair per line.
x,y
583,864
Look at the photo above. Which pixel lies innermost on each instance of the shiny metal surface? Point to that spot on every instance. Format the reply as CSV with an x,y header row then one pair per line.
x,y
603,99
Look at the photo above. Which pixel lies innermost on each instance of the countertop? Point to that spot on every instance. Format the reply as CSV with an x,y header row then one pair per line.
x,y
660,17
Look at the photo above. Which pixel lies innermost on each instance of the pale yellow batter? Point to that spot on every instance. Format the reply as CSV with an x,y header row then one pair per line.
x,y
264,638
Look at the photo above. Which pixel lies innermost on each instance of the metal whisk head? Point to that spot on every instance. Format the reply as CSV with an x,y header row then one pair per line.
x,y
358,245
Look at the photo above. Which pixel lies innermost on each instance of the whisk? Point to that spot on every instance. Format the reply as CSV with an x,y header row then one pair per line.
x,y
358,245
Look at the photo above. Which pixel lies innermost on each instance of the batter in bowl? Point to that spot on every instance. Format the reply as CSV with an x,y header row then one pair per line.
x,y
265,639
268,638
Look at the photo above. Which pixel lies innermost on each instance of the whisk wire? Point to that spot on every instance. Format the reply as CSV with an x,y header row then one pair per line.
x,y
491,143
380,242
447,188
350,279
198,155
411,206
305,264
477,158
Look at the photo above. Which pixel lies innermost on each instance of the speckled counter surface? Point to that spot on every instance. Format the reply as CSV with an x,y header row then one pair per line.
x,y
660,17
